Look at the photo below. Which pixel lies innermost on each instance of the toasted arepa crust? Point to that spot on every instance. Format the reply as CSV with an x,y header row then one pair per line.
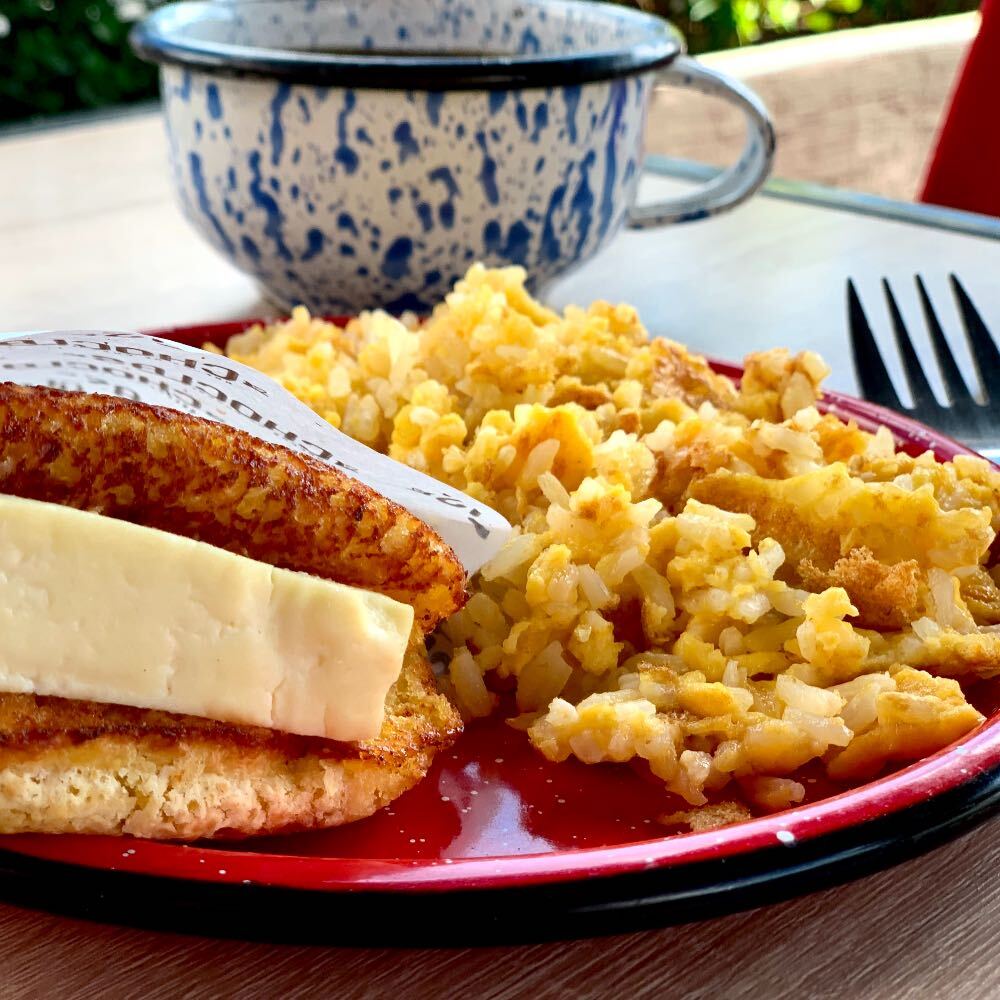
x,y
82,767
193,477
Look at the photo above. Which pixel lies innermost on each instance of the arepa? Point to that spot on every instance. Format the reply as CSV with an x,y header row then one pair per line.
x,y
86,767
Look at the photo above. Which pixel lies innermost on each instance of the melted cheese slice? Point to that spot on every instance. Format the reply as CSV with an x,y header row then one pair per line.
x,y
100,609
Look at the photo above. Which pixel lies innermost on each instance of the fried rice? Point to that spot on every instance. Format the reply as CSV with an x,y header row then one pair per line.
x,y
717,582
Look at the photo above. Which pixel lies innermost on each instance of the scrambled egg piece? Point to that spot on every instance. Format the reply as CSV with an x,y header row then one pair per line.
x,y
921,715
716,580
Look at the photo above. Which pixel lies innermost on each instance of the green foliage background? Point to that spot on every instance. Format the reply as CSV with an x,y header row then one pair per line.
x,y
711,25
66,55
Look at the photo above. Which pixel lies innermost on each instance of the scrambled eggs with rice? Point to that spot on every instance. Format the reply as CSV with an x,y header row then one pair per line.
x,y
718,581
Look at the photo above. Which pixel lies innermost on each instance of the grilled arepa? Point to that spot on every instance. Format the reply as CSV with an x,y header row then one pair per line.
x,y
87,767
82,767
164,469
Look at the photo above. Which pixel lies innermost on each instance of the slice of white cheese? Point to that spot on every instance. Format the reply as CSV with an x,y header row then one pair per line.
x,y
100,609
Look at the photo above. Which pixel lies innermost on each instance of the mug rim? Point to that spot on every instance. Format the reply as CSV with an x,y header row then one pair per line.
x,y
159,38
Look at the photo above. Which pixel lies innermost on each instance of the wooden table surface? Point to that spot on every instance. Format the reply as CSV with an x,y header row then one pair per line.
x,y
922,930
90,237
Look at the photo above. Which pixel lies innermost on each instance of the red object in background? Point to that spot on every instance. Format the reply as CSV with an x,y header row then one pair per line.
x,y
964,171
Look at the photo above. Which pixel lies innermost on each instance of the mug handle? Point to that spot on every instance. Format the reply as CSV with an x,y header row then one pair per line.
x,y
733,185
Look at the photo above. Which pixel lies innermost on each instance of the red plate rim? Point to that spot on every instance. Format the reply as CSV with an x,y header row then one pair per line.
x,y
964,761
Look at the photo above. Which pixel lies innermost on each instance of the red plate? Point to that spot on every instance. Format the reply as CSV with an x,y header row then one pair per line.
x,y
493,815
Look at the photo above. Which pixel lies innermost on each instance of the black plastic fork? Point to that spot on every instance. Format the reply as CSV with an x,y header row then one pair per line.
x,y
974,422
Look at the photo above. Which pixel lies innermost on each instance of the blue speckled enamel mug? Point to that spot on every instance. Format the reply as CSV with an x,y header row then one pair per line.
x,y
351,154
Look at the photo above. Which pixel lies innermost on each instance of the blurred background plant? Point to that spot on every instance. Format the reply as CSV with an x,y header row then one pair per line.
x,y
67,55
711,25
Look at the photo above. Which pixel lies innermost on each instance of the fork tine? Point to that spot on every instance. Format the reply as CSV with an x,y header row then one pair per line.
x,y
958,391
984,348
923,395
868,364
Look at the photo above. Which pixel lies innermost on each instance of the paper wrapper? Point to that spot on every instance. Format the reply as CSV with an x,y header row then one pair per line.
x,y
151,370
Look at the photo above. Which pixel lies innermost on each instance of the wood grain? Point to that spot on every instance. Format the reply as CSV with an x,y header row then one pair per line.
x,y
923,929
857,109
89,236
